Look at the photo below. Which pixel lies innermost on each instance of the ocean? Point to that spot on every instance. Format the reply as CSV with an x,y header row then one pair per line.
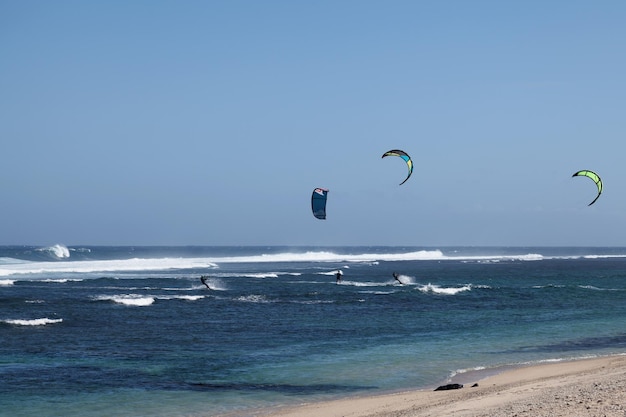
x,y
132,331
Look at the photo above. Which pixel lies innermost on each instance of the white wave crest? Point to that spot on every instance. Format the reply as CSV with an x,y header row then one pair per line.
x,y
121,265
159,264
594,288
498,258
436,289
137,300
58,251
182,297
128,299
324,256
6,282
374,258
260,275
190,297
467,370
359,284
33,322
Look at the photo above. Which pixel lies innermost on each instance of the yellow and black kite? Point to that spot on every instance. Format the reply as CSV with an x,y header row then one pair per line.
x,y
595,177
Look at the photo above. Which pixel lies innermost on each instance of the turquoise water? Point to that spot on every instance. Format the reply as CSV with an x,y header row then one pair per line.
x,y
98,331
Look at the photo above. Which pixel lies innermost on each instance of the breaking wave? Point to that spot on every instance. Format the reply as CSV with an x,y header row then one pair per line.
x,y
129,300
136,300
32,322
57,251
125,265
436,289
59,262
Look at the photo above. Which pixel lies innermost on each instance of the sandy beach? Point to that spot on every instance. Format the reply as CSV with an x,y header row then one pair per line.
x,y
589,387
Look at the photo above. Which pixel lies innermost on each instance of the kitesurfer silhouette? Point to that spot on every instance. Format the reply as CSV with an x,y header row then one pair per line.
x,y
338,275
395,275
203,279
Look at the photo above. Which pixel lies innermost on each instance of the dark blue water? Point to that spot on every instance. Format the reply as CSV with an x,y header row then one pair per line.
x,y
132,331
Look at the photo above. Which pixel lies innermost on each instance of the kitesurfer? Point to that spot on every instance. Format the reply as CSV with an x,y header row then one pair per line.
x,y
338,275
203,279
395,275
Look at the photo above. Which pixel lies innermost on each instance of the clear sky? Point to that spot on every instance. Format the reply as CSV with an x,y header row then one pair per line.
x,y
210,122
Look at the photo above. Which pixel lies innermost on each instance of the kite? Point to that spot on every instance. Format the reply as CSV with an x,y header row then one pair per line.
x,y
405,156
595,177
318,203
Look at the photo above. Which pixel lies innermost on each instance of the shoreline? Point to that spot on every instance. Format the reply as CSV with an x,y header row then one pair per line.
x,y
581,387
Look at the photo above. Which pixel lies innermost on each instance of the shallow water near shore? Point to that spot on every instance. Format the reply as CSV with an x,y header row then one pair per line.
x,y
95,331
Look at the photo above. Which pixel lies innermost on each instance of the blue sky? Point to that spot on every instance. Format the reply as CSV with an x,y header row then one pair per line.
x,y
210,122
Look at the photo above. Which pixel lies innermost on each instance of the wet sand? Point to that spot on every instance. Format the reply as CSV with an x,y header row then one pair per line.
x,y
589,387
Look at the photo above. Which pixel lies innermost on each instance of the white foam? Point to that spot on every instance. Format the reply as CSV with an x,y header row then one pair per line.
x,y
603,256
498,258
260,275
324,256
190,297
182,297
8,268
33,322
594,288
253,299
6,282
127,265
436,289
467,370
58,251
81,250
128,299
359,284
